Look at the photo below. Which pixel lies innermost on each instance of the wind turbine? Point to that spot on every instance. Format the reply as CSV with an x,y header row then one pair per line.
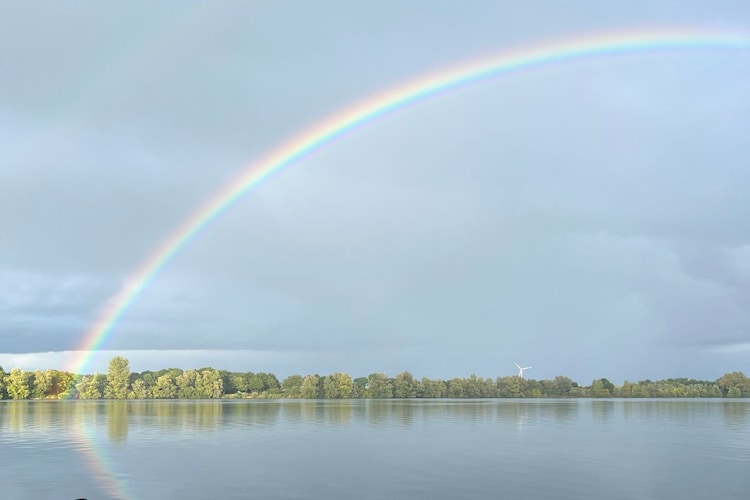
x,y
520,370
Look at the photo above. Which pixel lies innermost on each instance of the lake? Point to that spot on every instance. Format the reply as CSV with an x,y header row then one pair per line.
x,y
415,449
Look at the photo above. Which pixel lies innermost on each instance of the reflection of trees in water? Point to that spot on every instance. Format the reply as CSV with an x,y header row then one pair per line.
x,y
42,416
465,411
564,411
386,412
291,411
522,412
253,413
337,413
515,412
602,410
117,420
679,411
202,415
736,415
319,412
176,415
17,415
383,412
402,412
378,411
312,413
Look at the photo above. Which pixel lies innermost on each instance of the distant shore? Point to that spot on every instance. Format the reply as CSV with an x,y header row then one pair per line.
x,y
210,383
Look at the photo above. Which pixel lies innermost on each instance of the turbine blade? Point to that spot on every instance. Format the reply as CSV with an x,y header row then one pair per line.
x,y
517,365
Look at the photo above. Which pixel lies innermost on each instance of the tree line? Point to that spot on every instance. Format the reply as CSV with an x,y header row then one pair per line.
x,y
209,383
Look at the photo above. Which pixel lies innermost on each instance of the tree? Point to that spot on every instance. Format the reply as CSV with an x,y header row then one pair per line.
x,y
433,388
17,384
186,385
599,389
140,391
118,376
61,382
210,384
607,385
404,386
292,385
735,379
330,388
456,388
309,388
360,388
88,388
42,383
626,391
165,388
148,378
344,384
639,390
256,383
239,383
562,386
380,386
509,387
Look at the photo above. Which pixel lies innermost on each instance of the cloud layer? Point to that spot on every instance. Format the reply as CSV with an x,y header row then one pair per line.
x,y
587,218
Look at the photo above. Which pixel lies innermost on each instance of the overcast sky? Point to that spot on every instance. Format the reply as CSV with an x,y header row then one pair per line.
x,y
590,219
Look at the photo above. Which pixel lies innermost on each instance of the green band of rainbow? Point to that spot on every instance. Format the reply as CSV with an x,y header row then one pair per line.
x,y
370,109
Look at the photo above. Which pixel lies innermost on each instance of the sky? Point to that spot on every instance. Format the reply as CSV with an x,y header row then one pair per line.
x,y
588,219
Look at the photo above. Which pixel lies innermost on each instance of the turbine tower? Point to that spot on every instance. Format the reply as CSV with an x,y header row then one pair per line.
x,y
520,370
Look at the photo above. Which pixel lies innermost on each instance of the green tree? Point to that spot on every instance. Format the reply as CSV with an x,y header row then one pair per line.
x,y
380,386
61,382
88,388
165,387
256,383
404,386
330,388
456,388
626,391
344,385
433,388
42,383
509,387
639,390
149,379
140,390
240,383
292,385
309,388
17,384
186,385
599,389
360,388
210,384
562,385
734,379
118,376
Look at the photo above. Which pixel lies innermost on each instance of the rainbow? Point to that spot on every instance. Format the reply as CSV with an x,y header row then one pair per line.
x,y
396,98
98,462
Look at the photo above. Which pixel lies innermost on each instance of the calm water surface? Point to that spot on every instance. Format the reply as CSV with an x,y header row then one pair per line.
x,y
416,449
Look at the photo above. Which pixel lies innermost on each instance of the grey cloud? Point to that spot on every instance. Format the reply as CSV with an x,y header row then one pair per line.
x,y
587,218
